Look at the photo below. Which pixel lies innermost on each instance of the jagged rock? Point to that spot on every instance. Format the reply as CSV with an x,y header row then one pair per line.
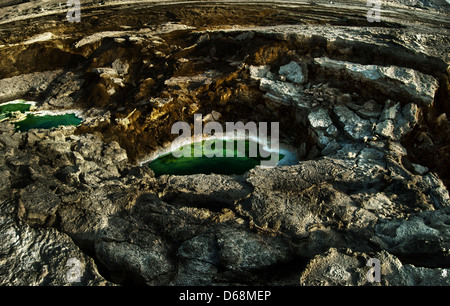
x,y
192,81
320,119
105,72
438,193
411,113
64,91
323,139
396,122
332,131
378,202
440,196
38,205
357,128
148,264
347,268
245,36
393,80
419,169
42,256
120,67
335,269
420,236
217,191
36,82
284,93
414,83
370,109
243,251
331,148
259,72
199,260
282,205
386,129
292,72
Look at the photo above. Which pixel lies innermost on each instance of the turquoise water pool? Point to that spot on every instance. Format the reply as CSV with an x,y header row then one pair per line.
x,y
13,107
28,120
46,121
229,164
7,109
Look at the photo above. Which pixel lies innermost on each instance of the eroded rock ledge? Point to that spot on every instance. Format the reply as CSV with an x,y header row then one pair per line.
x,y
364,125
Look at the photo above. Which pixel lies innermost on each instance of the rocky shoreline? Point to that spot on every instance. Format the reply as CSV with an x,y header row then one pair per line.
x,y
365,107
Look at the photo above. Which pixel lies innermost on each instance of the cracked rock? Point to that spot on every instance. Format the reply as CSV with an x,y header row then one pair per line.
x,y
293,73
398,81
357,128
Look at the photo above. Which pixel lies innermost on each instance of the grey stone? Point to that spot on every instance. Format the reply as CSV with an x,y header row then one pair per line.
x,y
356,201
348,268
42,256
391,80
244,251
419,169
280,92
370,109
148,262
245,36
422,234
319,119
395,122
17,86
357,128
332,131
293,72
331,148
259,72
386,129
121,67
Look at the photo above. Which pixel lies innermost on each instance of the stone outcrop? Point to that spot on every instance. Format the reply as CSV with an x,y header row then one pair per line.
x,y
393,81
346,268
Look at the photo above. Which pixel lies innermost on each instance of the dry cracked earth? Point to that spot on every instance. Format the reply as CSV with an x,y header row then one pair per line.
x,y
364,105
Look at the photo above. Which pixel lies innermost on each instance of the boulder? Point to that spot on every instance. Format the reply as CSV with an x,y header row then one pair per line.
x,y
42,256
284,93
293,73
259,72
422,235
347,268
395,121
404,83
355,127
319,119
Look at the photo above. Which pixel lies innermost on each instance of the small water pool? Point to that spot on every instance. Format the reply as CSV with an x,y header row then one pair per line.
x,y
13,107
46,121
7,109
21,114
231,163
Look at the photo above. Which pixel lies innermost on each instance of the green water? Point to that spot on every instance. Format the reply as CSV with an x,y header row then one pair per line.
x,y
169,164
7,109
13,107
46,122
32,121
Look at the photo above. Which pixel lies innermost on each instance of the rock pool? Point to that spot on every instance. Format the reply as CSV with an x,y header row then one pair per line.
x,y
231,162
46,122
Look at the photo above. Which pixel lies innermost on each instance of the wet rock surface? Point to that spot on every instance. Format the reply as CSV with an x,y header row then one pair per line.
x,y
364,106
